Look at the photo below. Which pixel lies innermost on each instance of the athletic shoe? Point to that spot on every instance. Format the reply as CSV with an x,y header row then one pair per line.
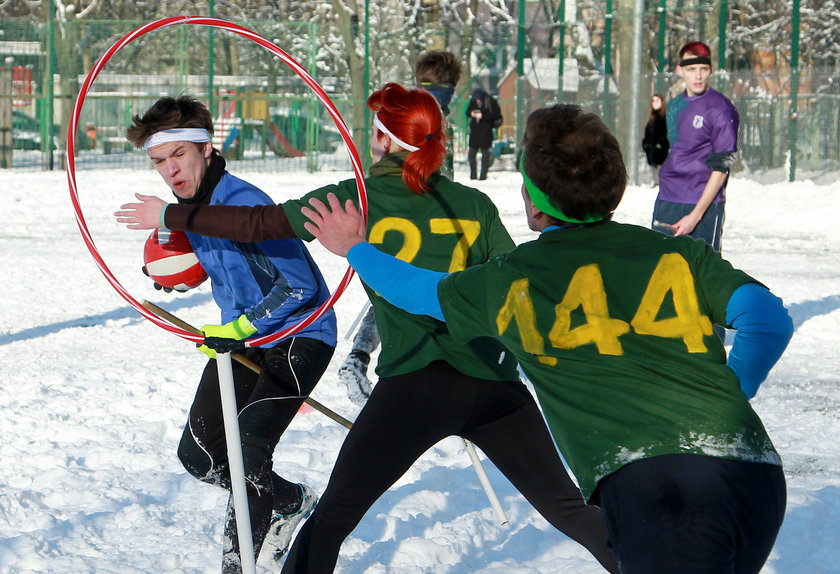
x,y
353,373
231,563
283,526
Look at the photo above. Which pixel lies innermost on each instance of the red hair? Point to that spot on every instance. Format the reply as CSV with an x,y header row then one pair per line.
x,y
413,116
699,49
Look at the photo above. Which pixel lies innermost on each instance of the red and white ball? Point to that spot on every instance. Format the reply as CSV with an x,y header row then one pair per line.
x,y
170,260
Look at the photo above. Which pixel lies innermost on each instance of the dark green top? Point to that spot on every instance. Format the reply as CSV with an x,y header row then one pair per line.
x,y
613,326
447,229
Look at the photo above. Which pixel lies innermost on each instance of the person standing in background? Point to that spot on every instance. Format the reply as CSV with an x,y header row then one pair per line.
x,y
484,116
703,133
438,72
655,143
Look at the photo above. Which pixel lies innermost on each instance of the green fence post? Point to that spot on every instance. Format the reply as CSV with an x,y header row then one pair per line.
x,y
793,118
561,48
48,160
723,18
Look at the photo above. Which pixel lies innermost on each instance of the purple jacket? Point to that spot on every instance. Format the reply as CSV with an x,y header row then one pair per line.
x,y
697,127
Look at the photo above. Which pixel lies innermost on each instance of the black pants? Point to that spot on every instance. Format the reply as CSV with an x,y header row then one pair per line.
x,y
266,403
693,514
408,414
486,160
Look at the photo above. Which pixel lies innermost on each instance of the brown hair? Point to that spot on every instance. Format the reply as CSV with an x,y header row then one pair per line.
x,y
438,67
413,116
168,113
661,111
574,159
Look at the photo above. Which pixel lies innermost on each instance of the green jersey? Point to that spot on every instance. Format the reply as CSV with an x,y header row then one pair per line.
x,y
449,228
613,326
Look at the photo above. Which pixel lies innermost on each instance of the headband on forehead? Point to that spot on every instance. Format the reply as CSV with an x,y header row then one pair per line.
x,y
696,60
378,123
542,202
197,135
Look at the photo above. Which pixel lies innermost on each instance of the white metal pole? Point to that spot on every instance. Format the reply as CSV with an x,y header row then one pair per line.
x,y
359,317
485,482
236,464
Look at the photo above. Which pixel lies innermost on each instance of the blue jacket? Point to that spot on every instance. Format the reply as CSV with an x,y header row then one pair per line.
x,y
274,283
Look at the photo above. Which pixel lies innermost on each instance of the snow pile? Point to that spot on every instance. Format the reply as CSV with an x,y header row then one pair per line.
x,y
94,398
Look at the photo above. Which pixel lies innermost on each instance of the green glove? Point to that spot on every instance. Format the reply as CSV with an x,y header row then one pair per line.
x,y
236,330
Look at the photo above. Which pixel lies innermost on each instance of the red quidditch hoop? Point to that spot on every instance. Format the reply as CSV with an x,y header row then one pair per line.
x,y
301,72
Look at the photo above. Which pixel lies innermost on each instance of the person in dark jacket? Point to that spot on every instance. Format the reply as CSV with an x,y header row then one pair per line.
x,y
655,143
484,116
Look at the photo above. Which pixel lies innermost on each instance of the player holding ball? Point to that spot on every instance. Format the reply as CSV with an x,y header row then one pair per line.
x,y
260,288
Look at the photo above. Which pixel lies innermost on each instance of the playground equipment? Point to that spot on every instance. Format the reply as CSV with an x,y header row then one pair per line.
x,y
244,121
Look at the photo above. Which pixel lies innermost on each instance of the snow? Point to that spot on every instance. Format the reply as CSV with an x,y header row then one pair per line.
x,y
94,398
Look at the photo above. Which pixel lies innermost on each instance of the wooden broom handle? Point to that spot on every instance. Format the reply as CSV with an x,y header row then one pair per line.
x,y
164,314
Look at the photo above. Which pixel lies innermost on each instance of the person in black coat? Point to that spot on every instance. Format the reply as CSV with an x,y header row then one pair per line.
x,y
655,143
484,116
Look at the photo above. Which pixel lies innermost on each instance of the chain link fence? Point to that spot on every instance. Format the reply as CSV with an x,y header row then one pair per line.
x,y
268,120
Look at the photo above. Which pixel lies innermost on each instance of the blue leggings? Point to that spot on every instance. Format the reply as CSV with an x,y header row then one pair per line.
x,y
693,514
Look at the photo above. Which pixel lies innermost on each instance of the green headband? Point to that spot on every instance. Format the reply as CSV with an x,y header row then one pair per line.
x,y
543,202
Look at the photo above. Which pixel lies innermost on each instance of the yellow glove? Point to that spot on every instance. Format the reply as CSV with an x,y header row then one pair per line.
x,y
224,338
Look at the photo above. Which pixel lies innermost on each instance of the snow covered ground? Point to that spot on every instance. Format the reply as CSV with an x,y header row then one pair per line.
x,y
93,398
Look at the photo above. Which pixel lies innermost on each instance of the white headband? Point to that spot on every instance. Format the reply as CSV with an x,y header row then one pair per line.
x,y
197,135
378,123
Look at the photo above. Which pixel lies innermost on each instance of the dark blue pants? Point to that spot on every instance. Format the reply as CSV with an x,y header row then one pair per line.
x,y
692,514
709,228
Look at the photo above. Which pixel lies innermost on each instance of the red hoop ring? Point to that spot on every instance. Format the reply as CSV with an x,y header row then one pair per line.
x,y
301,72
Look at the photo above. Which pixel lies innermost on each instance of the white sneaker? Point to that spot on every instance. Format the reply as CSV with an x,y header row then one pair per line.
x,y
283,526
353,373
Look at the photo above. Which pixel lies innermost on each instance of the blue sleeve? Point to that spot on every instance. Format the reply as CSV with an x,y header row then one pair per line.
x,y
764,329
403,285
